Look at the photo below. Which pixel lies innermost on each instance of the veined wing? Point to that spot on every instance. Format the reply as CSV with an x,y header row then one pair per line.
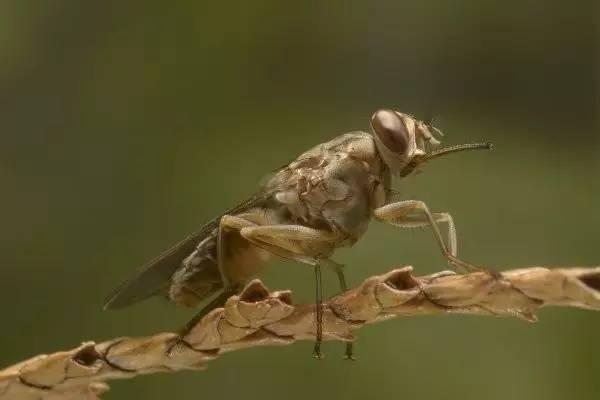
x,y
154,277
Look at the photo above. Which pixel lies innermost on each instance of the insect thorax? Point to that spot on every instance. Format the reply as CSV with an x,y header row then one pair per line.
x,y
334,186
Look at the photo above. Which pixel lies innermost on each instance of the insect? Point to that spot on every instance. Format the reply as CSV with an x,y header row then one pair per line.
x,y
322,200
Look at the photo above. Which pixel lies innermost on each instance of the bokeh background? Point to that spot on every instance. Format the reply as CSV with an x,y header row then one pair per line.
x,y
124,126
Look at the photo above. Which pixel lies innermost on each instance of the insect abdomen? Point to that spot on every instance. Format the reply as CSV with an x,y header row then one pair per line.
x,y
198,275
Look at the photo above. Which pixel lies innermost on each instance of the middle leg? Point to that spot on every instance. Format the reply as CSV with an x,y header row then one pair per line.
x,y
302,244
339,271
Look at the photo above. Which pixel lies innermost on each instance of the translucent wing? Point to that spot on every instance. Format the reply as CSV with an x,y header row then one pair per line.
x,y
154,277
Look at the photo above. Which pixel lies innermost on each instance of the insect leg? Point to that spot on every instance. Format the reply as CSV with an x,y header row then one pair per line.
x,y
418,220
414,213
301,244
228,223
217,302
296,242
339,270
319,305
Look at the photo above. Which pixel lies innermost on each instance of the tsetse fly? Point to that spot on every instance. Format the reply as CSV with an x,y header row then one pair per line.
x,y
322,200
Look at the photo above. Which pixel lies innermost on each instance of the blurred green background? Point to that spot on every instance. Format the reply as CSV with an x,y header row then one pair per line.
x,y
125,126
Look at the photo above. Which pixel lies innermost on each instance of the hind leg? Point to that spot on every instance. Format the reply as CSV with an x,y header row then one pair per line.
x,y
218,301
227,224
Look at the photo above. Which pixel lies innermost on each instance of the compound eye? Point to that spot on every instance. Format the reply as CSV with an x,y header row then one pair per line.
x,y
390,129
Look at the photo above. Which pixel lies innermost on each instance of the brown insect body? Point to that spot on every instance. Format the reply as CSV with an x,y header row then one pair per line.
x,y
333,186
321,201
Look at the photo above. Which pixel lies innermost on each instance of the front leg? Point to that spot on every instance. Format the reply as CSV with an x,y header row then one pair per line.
x,y
415,213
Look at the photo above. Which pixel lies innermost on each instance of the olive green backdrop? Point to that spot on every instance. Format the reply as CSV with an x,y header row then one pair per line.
x,y
126,125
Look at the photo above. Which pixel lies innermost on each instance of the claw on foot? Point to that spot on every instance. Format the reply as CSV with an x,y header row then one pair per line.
x,y
464,267
349,354
317,355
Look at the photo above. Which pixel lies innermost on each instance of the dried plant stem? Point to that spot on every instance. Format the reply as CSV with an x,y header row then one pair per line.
x,y
258,317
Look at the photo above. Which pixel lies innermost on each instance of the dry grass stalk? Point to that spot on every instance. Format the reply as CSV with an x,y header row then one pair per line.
x,y
258,317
